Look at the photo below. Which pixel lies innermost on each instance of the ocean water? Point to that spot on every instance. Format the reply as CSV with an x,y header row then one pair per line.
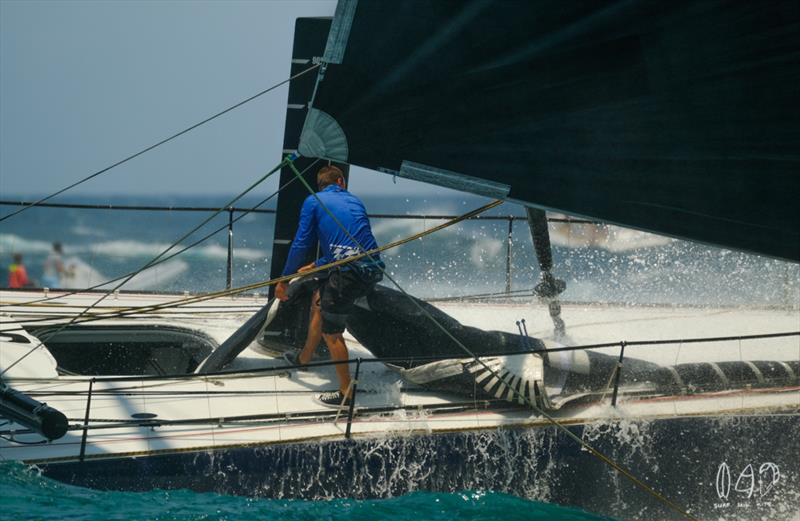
x,y
598,263
25,495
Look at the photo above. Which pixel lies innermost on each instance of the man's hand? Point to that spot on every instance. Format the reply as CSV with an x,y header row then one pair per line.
x,y
282,288
281,291
307,267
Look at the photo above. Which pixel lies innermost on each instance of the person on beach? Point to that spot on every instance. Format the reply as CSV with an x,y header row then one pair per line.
x,y
338,238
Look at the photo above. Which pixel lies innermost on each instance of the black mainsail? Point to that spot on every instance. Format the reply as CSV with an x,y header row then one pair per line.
x,y
678,118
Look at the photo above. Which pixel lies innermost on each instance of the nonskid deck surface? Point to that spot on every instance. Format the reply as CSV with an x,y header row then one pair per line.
x,y
586,323
402,405
589,324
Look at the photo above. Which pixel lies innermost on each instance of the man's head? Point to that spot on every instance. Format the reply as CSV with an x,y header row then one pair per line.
x,y
17,258
330,175
57,247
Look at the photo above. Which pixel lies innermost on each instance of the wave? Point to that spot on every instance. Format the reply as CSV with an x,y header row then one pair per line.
x,y
608,237
484,251
10,243
124,248
390,230
131,248
611,238
215,251
81,275
87,231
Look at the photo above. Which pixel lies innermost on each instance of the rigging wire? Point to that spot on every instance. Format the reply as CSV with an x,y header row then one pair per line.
x,y
163,141
165,259
52,320
134,310
613,464
164,380
529,292
288,160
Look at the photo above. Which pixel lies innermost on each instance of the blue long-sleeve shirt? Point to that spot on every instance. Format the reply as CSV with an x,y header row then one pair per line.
x,y
316,225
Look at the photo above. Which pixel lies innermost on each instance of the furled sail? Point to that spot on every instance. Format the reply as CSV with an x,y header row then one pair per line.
x,y
678,118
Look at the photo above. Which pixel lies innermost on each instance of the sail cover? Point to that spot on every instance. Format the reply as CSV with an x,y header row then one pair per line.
x,y
679,118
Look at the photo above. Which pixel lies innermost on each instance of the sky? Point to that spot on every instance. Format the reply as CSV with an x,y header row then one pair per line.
x,y
84,84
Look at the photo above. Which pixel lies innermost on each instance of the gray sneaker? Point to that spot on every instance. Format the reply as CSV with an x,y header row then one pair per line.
x,y
292,358
333,399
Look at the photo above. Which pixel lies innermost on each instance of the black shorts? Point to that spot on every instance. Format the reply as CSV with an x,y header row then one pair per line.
x,y
337,295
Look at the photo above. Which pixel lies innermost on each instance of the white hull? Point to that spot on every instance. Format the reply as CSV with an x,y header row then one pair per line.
x,y
150,417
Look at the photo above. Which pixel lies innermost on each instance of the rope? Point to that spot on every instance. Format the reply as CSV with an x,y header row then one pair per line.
x,y
674,506
515,293
256,372
163,141
75,319
133,310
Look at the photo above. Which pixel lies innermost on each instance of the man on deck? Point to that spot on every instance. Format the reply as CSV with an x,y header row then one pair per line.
x,y
332,302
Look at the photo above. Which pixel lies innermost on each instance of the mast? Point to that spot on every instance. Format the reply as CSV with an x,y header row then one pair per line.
x,y
310,36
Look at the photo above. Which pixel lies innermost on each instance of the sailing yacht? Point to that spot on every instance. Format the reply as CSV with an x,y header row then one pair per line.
x,y
636,412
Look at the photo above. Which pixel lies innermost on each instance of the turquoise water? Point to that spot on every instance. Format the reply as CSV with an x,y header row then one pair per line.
x,y
25,495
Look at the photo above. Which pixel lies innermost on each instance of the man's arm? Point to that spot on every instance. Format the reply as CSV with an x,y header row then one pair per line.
x,y
305,238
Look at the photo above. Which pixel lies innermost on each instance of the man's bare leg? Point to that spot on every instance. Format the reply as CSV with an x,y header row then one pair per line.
x,y
314,334
338,349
